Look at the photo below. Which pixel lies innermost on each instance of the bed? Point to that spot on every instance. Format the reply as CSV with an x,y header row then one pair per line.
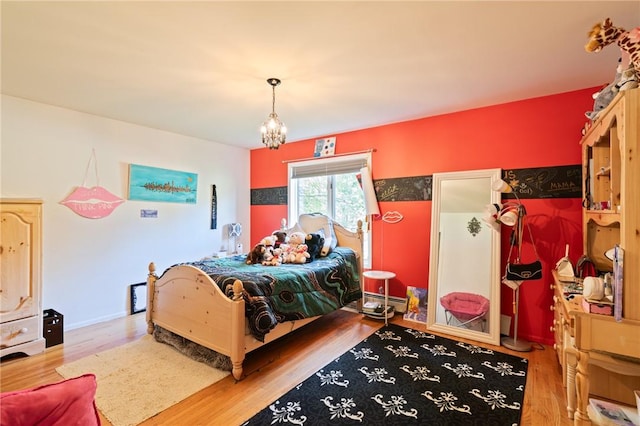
x,y
233,308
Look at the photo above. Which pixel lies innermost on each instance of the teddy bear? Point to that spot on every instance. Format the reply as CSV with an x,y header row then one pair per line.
x,y
270,252
296,249
301,254
256,255
314,242
273,257
269,240
281,238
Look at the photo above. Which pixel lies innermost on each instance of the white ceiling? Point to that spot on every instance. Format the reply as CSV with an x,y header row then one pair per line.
x,y
200,68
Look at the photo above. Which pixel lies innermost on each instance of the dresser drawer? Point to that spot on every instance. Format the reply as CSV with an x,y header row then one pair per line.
x,y
19,331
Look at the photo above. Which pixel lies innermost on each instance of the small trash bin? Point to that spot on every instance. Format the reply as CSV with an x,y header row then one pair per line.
x,y
53,327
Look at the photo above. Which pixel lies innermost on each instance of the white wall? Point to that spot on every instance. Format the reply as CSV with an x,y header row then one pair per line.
x,y
88,264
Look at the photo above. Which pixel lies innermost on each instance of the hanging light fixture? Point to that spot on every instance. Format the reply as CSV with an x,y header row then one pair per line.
x,y
274,132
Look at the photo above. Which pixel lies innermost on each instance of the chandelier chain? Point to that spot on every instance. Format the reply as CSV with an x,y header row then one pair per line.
x,y
273,99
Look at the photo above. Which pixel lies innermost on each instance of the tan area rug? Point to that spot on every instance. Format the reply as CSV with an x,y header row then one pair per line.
x,y
142,378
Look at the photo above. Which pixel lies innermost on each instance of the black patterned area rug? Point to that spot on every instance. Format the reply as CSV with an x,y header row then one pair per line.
x,y
401,376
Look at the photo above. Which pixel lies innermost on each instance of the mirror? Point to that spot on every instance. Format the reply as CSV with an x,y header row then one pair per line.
x,y
464,271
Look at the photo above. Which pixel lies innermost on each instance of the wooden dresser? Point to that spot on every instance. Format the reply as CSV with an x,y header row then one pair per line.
x,y
588,344
20,277
598,354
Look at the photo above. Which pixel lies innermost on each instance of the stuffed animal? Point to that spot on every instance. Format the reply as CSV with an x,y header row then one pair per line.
x,y
603,34
270,251
256,255
273,257
269,242
623,80
628,79
314,243
281,238
301,255
296,249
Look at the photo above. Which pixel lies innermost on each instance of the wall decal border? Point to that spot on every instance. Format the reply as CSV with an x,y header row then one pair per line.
x,y
530,183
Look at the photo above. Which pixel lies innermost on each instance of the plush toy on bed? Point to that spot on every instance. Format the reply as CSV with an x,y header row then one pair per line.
x,y
272,257
256,255
314,242
296,249
301,254
281,238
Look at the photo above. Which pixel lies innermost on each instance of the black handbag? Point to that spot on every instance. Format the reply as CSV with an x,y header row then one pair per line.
x,y
518,271
524,271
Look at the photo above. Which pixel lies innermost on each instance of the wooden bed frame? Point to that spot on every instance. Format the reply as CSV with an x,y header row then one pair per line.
x,y
187,302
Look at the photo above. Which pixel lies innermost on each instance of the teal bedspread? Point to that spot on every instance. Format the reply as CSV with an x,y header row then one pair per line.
x,y
275,294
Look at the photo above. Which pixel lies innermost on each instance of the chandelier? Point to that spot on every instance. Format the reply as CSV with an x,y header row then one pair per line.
x,y
274,132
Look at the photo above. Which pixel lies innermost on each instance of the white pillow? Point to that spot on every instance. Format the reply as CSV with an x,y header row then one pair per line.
x,y
314,222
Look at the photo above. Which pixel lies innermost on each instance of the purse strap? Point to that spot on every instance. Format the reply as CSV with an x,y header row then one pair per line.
x,y
516,236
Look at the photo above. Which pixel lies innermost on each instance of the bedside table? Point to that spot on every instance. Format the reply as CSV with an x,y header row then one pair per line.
x,y
386,276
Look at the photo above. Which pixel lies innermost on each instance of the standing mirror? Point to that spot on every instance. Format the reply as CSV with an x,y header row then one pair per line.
x,y
464,271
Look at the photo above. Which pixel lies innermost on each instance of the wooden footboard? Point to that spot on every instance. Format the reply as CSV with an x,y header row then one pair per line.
x,y
189,303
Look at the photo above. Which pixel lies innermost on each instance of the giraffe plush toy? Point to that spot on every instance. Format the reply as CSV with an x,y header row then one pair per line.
x,y
603,34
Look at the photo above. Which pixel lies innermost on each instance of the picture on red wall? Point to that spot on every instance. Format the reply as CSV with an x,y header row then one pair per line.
x,y
325,147
416,304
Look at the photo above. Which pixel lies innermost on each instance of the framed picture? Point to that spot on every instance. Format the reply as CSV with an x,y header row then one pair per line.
x,y
154,184
416,304
138,298
325,147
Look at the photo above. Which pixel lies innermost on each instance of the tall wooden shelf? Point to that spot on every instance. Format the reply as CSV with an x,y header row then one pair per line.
x,y
611,168
599,354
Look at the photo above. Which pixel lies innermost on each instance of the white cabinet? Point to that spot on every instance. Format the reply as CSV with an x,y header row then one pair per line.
x,y
21,277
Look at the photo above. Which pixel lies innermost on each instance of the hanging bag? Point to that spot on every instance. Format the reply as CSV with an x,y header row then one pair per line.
x,y
518,271
585,267
524,271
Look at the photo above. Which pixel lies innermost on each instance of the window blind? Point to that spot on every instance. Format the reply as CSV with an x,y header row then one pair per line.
x,y
327,167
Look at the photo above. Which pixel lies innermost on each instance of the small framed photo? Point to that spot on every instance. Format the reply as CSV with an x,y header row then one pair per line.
x,y
138,298
325,147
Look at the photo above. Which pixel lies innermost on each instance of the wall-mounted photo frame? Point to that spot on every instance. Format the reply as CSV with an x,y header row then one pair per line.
x,y
138,298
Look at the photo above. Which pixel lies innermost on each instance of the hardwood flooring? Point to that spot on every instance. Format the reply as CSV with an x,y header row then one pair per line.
x,y
270,371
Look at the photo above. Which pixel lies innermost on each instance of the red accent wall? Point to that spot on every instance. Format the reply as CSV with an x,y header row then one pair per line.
x,y
537,132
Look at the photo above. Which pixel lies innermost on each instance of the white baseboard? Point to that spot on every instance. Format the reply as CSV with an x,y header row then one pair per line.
x,y
505,325
73,326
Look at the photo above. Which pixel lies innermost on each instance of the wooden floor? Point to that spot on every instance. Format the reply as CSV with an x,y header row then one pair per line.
x,y
270,371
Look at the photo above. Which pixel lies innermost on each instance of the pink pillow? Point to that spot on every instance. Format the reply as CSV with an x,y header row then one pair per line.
x,y
70,402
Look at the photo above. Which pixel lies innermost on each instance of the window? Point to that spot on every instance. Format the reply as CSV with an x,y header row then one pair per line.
x,y
330,186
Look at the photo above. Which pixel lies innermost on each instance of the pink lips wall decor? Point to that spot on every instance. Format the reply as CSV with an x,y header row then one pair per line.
x,y
95,202
92,203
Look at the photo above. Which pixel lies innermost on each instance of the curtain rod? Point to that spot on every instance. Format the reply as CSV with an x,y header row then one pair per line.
x,y
331,156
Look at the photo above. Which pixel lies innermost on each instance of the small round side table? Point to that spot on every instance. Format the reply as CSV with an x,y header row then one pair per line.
x,y
386,276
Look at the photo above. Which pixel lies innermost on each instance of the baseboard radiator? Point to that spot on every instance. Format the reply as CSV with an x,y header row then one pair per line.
x,y
399,303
